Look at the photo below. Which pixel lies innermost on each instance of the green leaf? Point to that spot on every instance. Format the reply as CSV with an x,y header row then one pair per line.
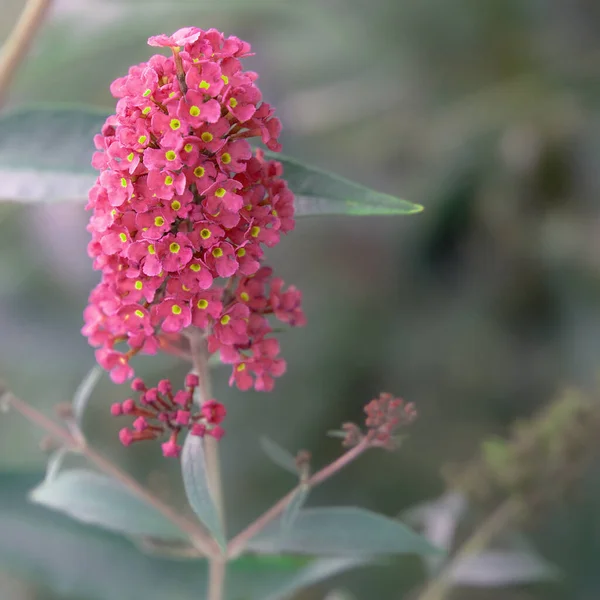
x,y
342,531
97,500
321,193
279,455
499,568
292,510
45,155
84,392
76,561
195,479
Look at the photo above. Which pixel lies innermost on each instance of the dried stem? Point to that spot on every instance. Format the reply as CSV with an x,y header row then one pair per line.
x,y
199,537
238,543
15,48
439,587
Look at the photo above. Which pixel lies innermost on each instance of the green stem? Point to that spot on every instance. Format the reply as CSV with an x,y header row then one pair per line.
x,y
439,587
217,562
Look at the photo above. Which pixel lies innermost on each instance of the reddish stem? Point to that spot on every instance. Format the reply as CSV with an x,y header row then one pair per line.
x,y
238,543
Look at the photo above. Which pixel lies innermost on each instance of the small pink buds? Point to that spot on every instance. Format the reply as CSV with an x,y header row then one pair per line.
x,y
385,416
158,412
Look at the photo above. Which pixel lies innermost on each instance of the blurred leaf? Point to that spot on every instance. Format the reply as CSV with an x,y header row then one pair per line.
x,y
198,494
292,510
97,500
321,193
32,169
45,153
75,561
495,568
279,455
342,531
55,462
84,392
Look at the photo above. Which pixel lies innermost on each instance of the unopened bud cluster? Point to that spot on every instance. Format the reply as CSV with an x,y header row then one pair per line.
x,y
160,411
385,416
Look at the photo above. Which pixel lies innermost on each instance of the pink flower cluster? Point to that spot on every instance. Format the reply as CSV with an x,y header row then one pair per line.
x,y
385,415
182,209
159,410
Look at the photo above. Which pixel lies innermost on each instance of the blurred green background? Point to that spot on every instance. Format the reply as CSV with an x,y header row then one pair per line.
x,y
479,310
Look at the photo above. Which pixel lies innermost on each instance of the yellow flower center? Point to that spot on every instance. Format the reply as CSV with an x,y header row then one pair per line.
x,y
123,237
207,137
175,205
175,124
217,252
168,180
188,147
245,296
176,309
225,158
220,192
170,155
202,304
204,85
174,248
195,111
255,231
205,233
138,285
233,102
159,221
225,319
139,313
199,172
195,267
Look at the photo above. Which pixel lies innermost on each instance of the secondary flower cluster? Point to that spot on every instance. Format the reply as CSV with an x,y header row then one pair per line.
x,y
385,415
159,410
182,209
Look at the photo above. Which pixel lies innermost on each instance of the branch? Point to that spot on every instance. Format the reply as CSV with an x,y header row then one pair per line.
x,y
238,543
196,533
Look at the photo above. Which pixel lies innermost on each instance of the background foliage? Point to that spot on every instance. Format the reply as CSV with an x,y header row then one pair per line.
x,y
479,310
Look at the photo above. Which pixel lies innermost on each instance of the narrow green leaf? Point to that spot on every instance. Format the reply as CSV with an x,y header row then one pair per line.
x,y
342,531
279,455
321,193
77,561
45,155
500,568
84,392
97,500
198,493
292,510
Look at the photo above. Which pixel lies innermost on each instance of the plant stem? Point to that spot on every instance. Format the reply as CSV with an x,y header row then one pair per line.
x,y
15,48
217,562
439,587
196,533
238,543
216,577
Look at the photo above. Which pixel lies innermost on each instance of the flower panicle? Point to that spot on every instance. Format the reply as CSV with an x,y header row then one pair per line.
x,y
182,210
158,412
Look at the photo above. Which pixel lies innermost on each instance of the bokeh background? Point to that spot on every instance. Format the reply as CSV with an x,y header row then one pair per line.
x,y
480,310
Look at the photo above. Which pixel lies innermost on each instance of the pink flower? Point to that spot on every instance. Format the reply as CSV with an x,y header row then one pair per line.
x,y
173,314
182,211
182,37
214,412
